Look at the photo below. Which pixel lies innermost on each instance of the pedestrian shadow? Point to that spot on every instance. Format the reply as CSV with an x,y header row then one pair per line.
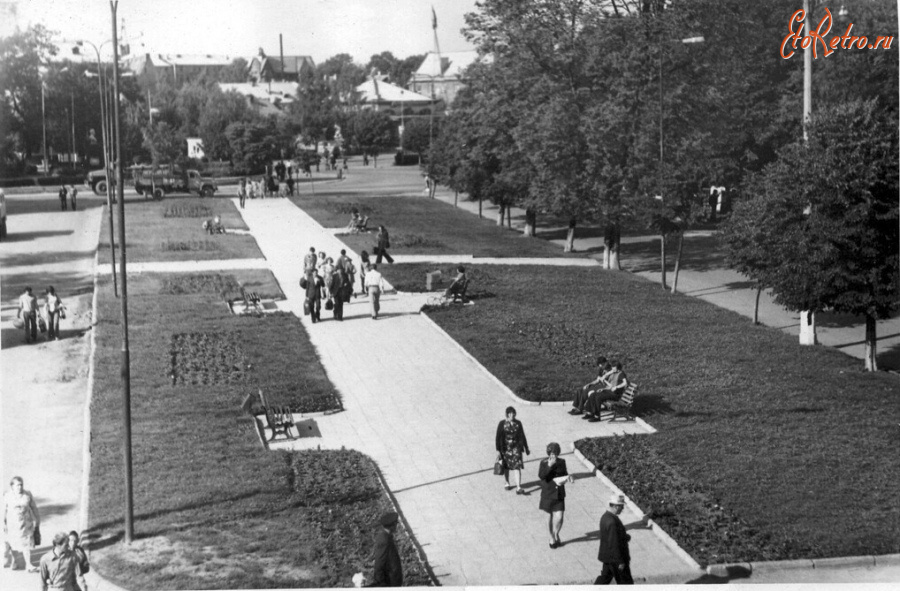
x,y
52,509
733,573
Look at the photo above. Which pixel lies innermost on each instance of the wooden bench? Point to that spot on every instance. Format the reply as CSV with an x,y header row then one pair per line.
x,y
459,295
361,226
250,299
622,406
279,419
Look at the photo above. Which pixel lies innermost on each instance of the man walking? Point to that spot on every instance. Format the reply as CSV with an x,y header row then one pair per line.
x,y
388,569
614,546
242,192
73,193
374,285
62,199
60,568
28,312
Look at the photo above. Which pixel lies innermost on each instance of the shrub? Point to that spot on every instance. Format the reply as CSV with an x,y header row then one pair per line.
x,y
414,240
189,245
204,283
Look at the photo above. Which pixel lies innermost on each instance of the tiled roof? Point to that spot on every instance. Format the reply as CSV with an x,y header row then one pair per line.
x,y
451,64
375,91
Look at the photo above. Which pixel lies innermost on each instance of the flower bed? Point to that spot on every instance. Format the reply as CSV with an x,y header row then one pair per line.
x,y
685,509
188,211
189,245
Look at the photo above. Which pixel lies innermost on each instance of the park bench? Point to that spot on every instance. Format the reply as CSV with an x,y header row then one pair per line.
x,y
361,226
279,419
459,294
622,406
251,299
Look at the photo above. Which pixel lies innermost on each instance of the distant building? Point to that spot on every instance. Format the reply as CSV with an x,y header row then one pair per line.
x,y
268,98
395,101
263,68
177,68
440,76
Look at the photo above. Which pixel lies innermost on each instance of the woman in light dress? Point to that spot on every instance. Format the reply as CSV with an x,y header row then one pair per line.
x,y
20,520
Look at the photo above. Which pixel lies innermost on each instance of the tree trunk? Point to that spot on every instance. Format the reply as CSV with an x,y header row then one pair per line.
x,y
500,214
871,362
570,237
509,217
662,257
612,241
479,207
677,262
455,198
756,307
530,222
808,328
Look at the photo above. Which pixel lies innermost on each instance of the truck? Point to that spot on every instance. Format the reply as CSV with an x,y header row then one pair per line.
x,y
157,181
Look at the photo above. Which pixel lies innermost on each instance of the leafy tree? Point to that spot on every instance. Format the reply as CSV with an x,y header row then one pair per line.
x,y
418,134
21,56
373,132
165,143
236,72
826,214
221,109
342,76
255,144
398,71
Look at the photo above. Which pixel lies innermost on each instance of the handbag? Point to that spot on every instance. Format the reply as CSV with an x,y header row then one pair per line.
x,y
37,535
306,307
499,467
329,304
42,325
62,313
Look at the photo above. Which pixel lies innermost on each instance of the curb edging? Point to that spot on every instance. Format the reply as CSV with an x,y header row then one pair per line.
x,y
665,538
865,561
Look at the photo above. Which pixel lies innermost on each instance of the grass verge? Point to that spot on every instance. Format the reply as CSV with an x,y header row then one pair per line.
x,y
782,437
419,225
213,509
169,230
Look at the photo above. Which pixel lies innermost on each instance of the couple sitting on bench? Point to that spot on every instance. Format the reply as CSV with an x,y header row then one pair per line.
x,y
596,396
358,223
214,226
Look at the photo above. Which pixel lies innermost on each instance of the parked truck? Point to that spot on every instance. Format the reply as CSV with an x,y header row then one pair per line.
x,y
157,181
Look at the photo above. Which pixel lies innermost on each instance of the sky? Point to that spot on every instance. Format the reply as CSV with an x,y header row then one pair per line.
x,y
238,28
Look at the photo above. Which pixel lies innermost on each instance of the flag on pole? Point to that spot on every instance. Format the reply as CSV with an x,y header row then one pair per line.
x,y
433,19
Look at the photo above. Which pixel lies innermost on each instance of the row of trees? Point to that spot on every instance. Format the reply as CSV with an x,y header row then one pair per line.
x,y
230,128
599,111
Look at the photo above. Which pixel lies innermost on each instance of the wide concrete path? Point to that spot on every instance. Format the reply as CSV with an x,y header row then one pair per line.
x,y
43,388
427,412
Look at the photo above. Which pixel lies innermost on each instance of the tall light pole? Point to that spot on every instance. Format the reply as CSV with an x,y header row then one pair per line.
x,y
663,230
43,71
104,131
807,317
126,361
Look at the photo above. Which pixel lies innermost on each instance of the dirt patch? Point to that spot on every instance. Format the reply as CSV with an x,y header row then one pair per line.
x,y
180,560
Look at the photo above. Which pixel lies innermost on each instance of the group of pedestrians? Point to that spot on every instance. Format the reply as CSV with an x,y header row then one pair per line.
x,y
609,385
511,445
68,194
63,567
37,318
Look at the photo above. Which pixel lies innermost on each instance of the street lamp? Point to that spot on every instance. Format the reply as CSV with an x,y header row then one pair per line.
x,y
661,197
105,149
42,71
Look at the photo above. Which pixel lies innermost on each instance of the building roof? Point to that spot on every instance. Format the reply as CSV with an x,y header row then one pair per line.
x,y
451,64
372,91
292,63
178,59
280,92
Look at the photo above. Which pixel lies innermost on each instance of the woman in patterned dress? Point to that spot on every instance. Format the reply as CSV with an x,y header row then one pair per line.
x,y
20,519
510,443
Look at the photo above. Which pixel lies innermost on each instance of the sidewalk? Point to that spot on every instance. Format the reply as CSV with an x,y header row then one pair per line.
x,y
426,412
44,385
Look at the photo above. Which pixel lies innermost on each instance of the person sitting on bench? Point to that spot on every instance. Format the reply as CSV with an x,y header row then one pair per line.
x,y
354,221
617,384
456,287
604,369
214,226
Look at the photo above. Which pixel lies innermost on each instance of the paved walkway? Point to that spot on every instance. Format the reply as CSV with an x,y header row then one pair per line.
x,y
427,412
187,266
44,385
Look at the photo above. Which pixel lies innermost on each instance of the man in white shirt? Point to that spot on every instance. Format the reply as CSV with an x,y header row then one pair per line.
x,y
374,285
28,311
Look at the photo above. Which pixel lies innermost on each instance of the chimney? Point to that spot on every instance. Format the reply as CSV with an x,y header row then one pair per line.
x,y
281,49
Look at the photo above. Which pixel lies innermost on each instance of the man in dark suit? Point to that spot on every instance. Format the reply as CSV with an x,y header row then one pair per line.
x,y
614,546
388,570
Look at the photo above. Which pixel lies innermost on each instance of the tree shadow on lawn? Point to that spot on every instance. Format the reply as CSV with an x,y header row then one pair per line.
x,y
724,288
700,253
27,259
734,573
66,284
648,405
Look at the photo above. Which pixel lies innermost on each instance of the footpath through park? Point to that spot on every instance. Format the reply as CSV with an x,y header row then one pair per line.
x,y
427,412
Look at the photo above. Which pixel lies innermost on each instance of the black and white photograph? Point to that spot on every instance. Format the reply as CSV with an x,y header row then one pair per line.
x,y
449,293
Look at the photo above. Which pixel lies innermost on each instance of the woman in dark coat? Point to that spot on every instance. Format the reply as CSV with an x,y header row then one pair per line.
x,y
510,443
553,475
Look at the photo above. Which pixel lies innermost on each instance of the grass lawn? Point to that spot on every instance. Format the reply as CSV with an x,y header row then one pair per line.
x,y
213,509
419,225
798,444
171,230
